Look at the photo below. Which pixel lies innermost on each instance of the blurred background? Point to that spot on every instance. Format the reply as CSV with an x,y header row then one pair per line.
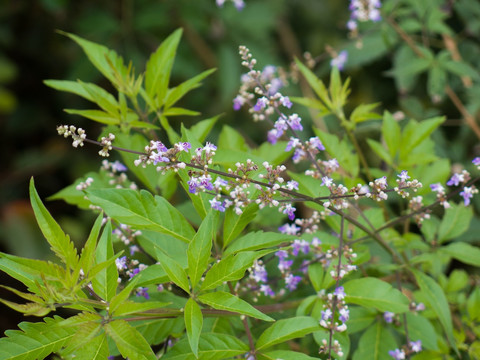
x,y
275,31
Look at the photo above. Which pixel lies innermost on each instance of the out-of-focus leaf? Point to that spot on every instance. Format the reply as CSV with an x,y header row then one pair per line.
x,y
96,115
463,252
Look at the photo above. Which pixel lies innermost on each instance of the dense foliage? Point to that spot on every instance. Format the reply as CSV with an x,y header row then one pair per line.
x,y
324,228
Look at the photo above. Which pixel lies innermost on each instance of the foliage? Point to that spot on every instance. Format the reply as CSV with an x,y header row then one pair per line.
x,y
194,258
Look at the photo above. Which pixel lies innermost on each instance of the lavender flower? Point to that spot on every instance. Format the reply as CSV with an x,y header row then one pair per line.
x,y
291,281
416,346
339,293
217,205
388,316
455,179
290,229
340,60
467,194
267,290
397,354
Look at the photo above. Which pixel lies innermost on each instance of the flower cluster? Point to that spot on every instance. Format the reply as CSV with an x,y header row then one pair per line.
x,y
301,150
156,152
239,4
416,205
400,354
335,314
116,172
106,145
462,179
404,184
363,10
78,135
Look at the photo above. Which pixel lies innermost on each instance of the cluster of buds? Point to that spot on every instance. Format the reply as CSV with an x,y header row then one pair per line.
x,y
84,184
441,195
78,135
337,193
156,152
327,168
336,312
339,271
335,346
378,187
415,205
310,225
363,10
106,145
312,146
127,235
404,184
116,171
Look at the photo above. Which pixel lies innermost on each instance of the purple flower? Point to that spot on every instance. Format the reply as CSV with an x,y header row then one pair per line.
x,y
300,245
339,293
403,176
388,316
217,205
316,143
326,314
183,146
476,161
160,288
437,187
267,290
416,346
344,315
134,272
467,194
192,185
238,103
294,122
289,210
259,273
284,265
275,85
397,354
121,263
143,291
209,147
326,181
455,179
292,185
133,249
298,154
293,143
261,104
340,61
285,101
239,4
281,254
159,146
281,126
272,136
117,166
159,157
291,281
290,229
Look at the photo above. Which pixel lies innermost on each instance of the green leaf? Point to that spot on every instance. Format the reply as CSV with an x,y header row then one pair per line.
x,y
258,240
105,282
230,138
316,84
87,326
375,343
59,242
212,346
438,303
231,268
461,68
455,222
360,318
143,211
129,341
174,271
159,66
420,328
105,60
473,304
316,275
201,129
131,307
96,115
221,300
380,151
95,349
287,329
123,295
177,111
373,292
34,340
463,252
414,133
234,224
193,324
87,257
154,274
363,112
437,80
73,87
391,133
102,98
179,91
29,271
200,247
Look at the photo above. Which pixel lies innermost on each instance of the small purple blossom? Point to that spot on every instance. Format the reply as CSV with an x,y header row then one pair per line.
x,y
292,185
291,281
397,354
121,263
476,161
238,102
117,166
160,288
326,314
467,194
340,60
388,316
339,293
217,205
437,187
455,179
295,122
290,229
133,272
267,290
293,143
134,249
209,147
285,101
326,181
284,265
272,136
344,315
403,176
316,143
416,346
183,146
261,104
289,210
300,245
159,146
259,273
143,291
281,254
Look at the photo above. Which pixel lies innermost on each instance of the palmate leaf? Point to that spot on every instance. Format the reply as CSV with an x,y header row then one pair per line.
x,y
212,346
143,211
59,242
35,340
